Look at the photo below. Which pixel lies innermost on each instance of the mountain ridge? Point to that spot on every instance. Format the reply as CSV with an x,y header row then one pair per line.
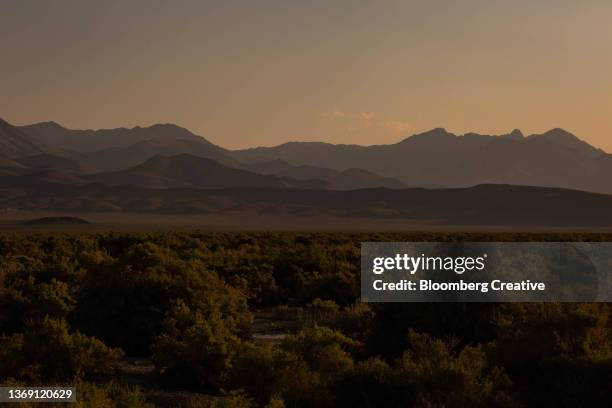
x,y
34,129
189,171
555,158
14,143
90,140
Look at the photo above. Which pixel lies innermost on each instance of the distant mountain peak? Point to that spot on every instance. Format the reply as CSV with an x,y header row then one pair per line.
x,y
51,123
433,134
516,134
15,143
167,126
563,137
439,131
559,133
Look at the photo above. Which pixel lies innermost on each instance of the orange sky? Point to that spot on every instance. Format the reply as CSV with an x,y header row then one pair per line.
x,y
262,72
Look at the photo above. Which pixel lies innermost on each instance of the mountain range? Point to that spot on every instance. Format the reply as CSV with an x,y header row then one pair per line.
x,y
46,158
144,156
431,159
439,158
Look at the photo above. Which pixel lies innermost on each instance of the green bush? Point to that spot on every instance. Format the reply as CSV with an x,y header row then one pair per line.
x,y
109,395
254,370
437,376
47,352
194,350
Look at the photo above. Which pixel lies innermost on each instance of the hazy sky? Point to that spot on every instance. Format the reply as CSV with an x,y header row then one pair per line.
x,y
262,72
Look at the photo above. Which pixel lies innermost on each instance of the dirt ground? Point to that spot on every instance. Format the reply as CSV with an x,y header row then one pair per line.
x,y
120,221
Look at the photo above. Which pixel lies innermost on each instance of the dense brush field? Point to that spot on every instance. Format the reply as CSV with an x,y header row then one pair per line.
x,y
274,319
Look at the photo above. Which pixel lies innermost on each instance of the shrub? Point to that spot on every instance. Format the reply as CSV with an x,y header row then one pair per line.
x,y
109,395
254,370
48,352
432,375
193,350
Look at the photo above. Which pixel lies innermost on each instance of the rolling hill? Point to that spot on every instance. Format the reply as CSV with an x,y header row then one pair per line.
x,y
120,158
189,171
350,179
48,161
